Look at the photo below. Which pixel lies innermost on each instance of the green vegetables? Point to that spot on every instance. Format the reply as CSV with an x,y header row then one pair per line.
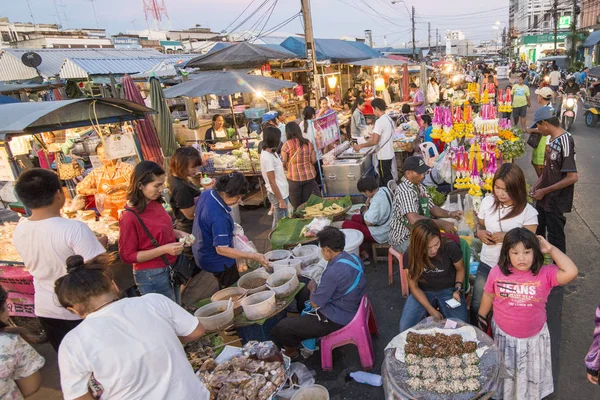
x,y
438,198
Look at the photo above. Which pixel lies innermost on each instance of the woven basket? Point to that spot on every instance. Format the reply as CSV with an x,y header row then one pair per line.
x,y
339,216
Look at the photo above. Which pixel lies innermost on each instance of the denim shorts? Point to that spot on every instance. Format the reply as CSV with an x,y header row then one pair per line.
x,y
156,280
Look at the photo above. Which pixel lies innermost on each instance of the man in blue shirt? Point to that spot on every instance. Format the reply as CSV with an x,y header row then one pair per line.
x,y
583,76
335,300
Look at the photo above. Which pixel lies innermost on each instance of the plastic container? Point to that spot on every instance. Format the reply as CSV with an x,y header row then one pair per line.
x,y
367,378
228,293
278,255
259,305
255,113
290,262
287,275
309,254
216,322
244,281
354,239
312,392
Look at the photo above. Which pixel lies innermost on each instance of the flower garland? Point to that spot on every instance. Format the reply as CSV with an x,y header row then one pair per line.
x,y
504,101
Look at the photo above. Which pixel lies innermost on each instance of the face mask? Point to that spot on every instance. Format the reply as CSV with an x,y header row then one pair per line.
x,y
412,95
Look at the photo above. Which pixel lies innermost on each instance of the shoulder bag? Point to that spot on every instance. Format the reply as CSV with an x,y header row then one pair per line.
x,y
184,267
534,140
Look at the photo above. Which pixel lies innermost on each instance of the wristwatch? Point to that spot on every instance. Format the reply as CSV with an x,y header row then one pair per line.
x,y
458,286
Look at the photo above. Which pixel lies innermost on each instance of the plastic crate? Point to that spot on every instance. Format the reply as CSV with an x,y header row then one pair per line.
x,y
255,113
262,332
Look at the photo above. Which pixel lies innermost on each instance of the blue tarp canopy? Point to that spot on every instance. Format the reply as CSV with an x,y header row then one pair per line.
x,y
335,50
36,117
8,100
592,39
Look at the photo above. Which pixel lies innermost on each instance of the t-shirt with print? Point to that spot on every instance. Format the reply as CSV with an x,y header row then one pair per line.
x,y
384,127
520,299
271,162
560,159
17,360
443,274
520,94
492,217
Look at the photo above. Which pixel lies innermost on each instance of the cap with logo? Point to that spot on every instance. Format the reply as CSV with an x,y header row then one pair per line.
x,y
545,92
416,164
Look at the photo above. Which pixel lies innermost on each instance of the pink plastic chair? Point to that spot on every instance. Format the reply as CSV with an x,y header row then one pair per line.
x,y
403,276
357,332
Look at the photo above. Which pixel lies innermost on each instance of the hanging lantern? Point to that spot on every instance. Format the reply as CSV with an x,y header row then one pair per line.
x,y
332,82
379,84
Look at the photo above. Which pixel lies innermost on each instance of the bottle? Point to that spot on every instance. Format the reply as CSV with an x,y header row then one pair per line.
x,y
366,377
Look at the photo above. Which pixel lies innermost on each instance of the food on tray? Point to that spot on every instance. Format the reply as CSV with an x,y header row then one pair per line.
x,y
8,251
440,363
246,377
318,210
200,355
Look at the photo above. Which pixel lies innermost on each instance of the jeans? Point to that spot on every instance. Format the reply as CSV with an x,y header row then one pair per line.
x,y
157,280
551,225
482,274
300,191
413,312
278,213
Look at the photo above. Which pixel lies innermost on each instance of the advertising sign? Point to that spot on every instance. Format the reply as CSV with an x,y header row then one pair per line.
x,y
327,130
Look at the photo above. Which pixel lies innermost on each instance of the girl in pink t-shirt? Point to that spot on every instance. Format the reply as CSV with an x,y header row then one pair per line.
x,y
518,288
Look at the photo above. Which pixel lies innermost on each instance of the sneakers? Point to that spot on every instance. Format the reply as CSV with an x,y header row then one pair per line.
x,y
364,256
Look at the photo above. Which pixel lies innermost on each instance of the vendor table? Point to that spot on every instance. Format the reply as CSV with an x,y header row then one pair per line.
x,y
395,375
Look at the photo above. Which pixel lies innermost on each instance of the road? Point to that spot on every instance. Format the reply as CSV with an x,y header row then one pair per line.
x,y
571,317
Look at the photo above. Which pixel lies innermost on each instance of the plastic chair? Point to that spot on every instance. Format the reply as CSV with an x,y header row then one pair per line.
x,y
403,275
425,147
357,332
392,186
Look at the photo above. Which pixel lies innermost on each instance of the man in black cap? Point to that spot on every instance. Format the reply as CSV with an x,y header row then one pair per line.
x,y
412,203
554,189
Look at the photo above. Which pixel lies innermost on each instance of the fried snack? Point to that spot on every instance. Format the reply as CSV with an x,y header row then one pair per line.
x,y
469,347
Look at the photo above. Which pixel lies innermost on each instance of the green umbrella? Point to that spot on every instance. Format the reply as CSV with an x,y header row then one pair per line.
x,y
190,107
162,120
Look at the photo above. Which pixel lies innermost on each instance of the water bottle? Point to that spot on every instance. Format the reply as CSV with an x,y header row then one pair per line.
x,y
366,377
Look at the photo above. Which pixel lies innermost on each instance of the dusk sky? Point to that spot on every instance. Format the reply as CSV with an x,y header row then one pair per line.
x,y
331,18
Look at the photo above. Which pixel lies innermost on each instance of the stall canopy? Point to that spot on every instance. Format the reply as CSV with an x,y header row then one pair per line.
x,y
224,83
335,50
378,62
8,100
592,40
240,55
36,117
19,87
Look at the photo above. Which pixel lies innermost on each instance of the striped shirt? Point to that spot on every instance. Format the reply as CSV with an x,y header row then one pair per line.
x,y
299,166
406,200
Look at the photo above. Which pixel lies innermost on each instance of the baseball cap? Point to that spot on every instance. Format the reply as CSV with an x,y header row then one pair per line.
x,y
414,163
545,92
271,115
542,114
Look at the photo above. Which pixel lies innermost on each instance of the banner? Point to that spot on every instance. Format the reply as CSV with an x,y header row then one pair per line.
x,y
119,146
327,130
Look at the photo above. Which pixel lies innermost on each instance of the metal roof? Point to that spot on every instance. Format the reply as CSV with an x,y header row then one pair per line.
x,y
81,68
35,117
11,67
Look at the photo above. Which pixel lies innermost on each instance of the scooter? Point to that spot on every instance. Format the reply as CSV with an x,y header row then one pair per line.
x,y
568,111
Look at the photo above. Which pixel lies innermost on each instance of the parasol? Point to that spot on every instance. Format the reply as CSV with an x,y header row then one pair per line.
x,y
190,108
149,144
405,82
240,55
162,120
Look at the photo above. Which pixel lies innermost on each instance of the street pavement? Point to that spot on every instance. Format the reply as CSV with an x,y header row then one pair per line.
x,y
570,311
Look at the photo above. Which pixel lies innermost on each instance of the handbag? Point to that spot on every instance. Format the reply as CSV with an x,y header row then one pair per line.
x,y
67,171
184,267
534,140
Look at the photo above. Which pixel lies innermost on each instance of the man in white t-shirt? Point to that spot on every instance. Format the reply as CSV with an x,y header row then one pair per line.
x,y
383,138
554,81
45,241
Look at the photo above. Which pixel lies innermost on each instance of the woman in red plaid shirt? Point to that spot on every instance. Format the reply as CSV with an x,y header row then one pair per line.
x,y
299,160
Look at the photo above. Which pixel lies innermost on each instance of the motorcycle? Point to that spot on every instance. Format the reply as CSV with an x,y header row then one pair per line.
x,y
568,111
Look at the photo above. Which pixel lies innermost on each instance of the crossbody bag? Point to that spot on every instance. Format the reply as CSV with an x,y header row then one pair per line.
x,y
184,267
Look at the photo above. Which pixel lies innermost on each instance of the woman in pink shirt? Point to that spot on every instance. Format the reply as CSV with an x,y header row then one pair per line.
x,y
518,288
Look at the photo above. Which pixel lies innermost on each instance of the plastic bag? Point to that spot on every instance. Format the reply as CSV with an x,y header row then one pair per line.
x,y
316,225
299,376
444,167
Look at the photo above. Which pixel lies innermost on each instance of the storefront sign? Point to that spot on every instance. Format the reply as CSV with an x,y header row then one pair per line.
x,y
327,130
545,38
564,22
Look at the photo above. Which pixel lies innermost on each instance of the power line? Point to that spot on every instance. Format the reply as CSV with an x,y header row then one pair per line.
x,y
466,14
279,26
268,18
379,14
236,18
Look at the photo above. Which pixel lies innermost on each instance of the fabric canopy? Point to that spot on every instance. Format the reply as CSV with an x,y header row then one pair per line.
x,y
335,50
592,40
378,62
240,55
8,100
36,117
224,83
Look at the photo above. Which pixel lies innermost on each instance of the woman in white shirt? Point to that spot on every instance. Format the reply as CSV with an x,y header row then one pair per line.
x,y
271,167
506,209
131,347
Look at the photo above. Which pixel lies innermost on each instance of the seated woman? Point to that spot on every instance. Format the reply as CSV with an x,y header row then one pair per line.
x,y
375,218
336,299
404,117
20,369
435,274
121,342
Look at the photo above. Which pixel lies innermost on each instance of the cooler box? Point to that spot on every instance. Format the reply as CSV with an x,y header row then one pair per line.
x,y
16,279
20,305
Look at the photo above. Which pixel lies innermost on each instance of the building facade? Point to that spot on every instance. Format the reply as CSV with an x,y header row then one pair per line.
x,y
590,14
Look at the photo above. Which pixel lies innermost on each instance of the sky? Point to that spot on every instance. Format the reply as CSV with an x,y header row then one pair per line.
x,y
331,18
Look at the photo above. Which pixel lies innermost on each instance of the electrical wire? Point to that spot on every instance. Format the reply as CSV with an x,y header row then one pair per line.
x,y
267,21
379,14
280,25
236,18
252,14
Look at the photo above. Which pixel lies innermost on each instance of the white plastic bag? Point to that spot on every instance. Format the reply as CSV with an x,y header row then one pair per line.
x,y
316,225
444,167
299,376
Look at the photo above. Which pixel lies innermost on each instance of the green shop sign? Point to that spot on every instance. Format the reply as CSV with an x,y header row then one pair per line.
x,y
545,38
564,22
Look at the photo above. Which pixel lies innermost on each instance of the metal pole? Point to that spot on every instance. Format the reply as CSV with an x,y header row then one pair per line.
x,y
555,14
429,35
437,42
310,49
413,32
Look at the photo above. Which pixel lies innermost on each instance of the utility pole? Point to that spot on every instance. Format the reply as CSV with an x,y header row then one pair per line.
x,y
555,15
437,42
413,32
311,54
504,43
574,16
429,35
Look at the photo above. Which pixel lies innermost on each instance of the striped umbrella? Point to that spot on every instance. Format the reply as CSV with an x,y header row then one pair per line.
x,y
162,120
405,82
144,128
